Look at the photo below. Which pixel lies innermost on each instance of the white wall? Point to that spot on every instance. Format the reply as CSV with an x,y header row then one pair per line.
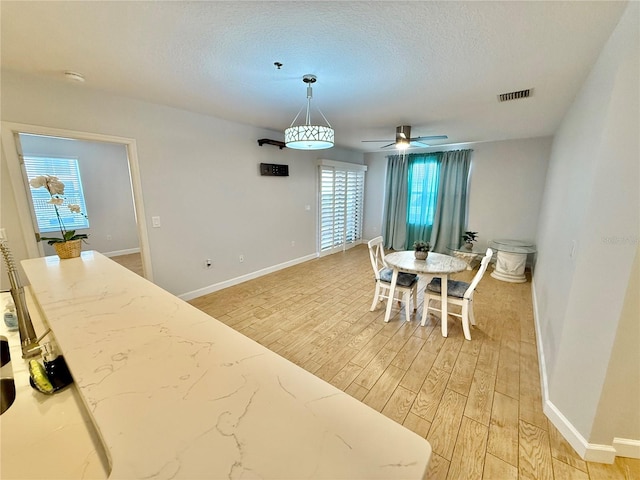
x,y
374,194
505,193
505,190
622,381
10,222
588,238
104,170
200,174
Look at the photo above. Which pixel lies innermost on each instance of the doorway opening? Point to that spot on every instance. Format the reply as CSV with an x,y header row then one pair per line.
x,y
108,167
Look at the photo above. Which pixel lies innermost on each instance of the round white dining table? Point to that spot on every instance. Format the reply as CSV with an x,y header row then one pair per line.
x,y
436,264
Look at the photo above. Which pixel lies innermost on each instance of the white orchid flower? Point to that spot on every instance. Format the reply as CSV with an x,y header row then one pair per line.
x,y
56,189
55,186
39,181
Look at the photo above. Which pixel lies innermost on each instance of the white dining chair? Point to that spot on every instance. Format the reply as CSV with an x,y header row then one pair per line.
x,y
407,283
458,293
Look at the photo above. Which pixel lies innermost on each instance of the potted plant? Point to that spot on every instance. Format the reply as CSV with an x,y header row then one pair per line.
x,y
421,249
69,243
468,238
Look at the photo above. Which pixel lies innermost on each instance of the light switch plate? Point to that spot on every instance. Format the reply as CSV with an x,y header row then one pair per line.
x,y
155,222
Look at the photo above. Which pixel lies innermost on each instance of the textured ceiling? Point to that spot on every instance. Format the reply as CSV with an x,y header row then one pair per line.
x,y
437,66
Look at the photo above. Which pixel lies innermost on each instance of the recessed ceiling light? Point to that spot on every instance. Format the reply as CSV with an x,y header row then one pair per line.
x,y
74,76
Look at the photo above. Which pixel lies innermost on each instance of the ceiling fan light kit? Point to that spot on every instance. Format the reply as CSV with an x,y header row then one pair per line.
x,y
402,144
403,137
307,136
404,141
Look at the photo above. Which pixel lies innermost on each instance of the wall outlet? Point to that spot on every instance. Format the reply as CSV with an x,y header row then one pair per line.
x,y
155,222
241,258
208,263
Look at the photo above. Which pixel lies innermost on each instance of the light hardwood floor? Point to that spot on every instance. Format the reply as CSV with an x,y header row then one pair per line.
x,y
132,261
477,402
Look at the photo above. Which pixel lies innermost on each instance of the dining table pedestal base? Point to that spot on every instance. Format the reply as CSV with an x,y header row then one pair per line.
x,y
511,259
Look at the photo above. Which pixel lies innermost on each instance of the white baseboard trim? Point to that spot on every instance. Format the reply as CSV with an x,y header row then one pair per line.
x,y
591,452
116,253
243,278
626,447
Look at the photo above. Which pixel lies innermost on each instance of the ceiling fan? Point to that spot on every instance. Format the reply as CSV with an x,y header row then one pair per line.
x,y
404,140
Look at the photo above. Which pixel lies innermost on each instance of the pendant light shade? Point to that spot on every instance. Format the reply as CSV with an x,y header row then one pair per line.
x,y
307,136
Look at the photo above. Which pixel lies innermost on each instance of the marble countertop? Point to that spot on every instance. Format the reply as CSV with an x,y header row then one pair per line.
x,y
45,436
406,261
175,393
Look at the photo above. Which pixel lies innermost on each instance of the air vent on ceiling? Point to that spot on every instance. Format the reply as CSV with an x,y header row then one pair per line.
x,y
504,97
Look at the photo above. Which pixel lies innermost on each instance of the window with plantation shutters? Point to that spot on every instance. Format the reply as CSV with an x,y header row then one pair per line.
x,y
66,169
341,205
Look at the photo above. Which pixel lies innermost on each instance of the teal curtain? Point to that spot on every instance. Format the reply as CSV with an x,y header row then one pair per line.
x,y
451,211
426,199
422,182
394,224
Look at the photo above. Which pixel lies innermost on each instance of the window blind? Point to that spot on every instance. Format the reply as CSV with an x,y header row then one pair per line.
x,y
341,208
67,171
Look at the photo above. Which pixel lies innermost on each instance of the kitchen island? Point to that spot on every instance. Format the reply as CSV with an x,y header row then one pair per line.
x,y
44,436
174,393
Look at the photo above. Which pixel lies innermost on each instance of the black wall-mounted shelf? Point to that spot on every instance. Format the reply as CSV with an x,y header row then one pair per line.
x,y
275,143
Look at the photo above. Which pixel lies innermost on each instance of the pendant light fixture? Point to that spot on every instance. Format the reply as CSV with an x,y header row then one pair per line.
x,y
307,136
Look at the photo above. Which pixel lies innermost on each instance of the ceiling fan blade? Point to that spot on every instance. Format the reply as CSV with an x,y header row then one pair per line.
x,y
391,144
378,141
429,137
419,144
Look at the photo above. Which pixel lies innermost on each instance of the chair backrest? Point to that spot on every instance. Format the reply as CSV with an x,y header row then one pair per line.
x,y
483,268
376,255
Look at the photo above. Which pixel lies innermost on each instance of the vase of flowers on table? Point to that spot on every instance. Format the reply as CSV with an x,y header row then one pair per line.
x,y
69,244
421,249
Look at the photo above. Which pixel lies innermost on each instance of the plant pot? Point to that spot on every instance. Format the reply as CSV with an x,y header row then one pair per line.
x,y
421,255
468,246
70,249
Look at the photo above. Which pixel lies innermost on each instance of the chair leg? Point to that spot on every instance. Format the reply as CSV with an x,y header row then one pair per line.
x,y
472,317
414,293
425,309
407,305
376,295
465,320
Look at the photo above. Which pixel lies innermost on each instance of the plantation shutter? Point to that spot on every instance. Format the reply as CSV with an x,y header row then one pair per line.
x,y
341,205
66,169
